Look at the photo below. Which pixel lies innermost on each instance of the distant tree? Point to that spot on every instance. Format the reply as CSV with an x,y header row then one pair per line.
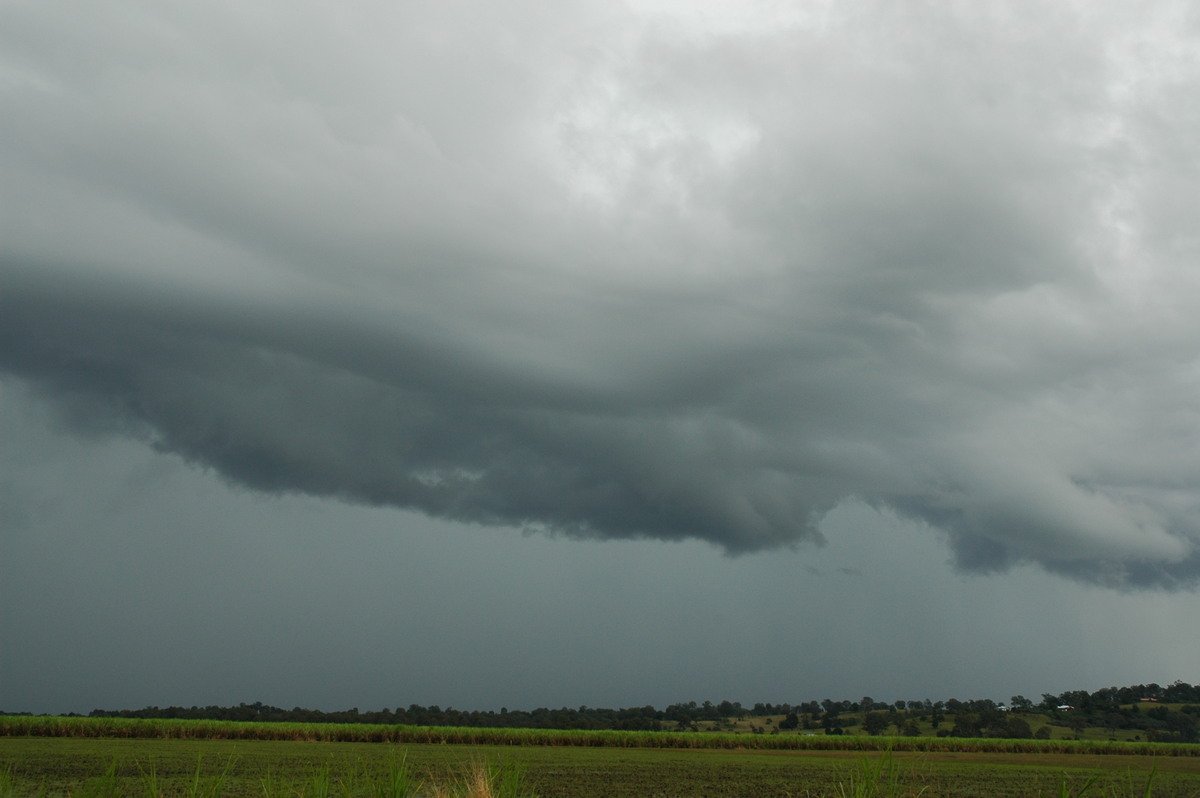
x,y
1043,733
875,723
992,723
1020,703
1078,724
965,725
1080,699
1181,693
1105,698
1018,728
792,721
1185,725
911,729
731,709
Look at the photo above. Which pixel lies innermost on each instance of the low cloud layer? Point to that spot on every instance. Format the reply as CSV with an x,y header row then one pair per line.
x,y
635,272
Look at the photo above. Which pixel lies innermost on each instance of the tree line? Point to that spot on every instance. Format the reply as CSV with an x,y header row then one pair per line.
x,y
1138,707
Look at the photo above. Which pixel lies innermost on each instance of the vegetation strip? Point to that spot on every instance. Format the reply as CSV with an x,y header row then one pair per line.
x,y
79,727
95,767
1148,712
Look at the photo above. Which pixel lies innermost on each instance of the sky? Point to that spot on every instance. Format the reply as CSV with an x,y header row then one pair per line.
x,y
596,353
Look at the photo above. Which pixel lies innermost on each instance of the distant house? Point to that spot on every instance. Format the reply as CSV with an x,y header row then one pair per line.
x,y
1064,706
1148,699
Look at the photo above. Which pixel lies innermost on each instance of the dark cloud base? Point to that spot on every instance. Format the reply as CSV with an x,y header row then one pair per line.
x,y
278,422
614,278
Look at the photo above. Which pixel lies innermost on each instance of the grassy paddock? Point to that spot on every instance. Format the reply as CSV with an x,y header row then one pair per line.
x,y
90,767
51,726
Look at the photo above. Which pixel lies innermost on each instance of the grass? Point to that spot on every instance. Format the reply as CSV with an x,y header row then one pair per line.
x,y
881,777
267,769
100,757
483,779
159,776
49,726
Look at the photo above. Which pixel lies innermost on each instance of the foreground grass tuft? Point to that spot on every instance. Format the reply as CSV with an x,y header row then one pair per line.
x,y
1146,792
880,778
397,781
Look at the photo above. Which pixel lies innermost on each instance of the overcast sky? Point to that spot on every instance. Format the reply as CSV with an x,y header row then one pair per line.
x,y
527,354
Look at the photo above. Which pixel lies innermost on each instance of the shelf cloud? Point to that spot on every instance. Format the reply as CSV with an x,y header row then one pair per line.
x,y
629,272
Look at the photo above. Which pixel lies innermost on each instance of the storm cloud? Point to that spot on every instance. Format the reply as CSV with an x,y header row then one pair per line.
x,y
629,272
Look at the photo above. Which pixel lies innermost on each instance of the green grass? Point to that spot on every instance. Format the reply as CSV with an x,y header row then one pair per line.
x,y
48,726
105,768
99,766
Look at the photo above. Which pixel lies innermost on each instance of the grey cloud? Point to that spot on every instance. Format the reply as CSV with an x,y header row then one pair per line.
x,y
591,276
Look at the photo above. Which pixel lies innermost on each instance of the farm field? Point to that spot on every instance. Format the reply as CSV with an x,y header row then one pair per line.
x,y
54,726
78,766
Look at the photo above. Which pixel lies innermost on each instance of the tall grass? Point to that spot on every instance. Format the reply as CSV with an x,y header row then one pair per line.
x,y
47,726
1131,791
880,777
481,779
874,776
7,785
396,782
108,785
484,780
1066,789
203,785
155,787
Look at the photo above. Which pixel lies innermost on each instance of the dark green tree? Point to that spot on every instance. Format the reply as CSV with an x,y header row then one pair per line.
x,y
875,723
1017,728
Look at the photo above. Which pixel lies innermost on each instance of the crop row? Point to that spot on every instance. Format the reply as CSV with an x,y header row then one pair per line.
x,y
54,726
